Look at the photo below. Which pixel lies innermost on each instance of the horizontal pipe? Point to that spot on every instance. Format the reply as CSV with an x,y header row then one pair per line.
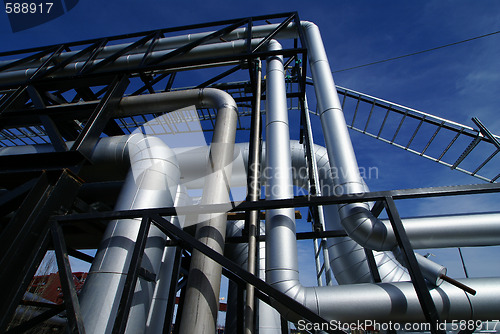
x,y
398,302
166,44
123,62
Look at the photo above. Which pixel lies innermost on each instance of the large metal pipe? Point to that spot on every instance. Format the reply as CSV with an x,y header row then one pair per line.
x,y
220,155
166,44
123,62
356,218
151,182
281,249
203,286
330,113
156,316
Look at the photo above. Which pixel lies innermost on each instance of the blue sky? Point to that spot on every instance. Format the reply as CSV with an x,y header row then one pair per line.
x,y
457,82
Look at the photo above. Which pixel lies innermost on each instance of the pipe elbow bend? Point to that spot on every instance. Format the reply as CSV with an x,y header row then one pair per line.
x,y
308,25
301,294
216,98
274,45
367,230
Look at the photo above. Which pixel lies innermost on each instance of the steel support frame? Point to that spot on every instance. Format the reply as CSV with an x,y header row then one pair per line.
x,y
297,201
417,278
27,236
263,290
95,125
235,272
75,320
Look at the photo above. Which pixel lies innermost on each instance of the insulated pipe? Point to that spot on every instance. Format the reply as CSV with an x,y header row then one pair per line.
x,y
221,153
281,250
356,218
166,43
123,62
325,111
156,316
269,320
151,182
203,285
347,258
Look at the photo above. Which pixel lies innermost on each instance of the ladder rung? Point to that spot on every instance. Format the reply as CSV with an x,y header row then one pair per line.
x,y
486,161
343,101
399,127
450,144
355,112
415,132
383,123
369,116
432,138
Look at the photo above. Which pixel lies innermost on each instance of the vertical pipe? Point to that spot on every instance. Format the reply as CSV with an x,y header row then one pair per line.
x,y
203,286
269,319
151,182
253,195
161,293
281,251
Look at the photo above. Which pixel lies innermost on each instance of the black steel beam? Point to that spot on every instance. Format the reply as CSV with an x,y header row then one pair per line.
x,y
40,161
13,198
174,65
428,308
220,76
170,81
192,243
75,320
25,240
127,296
240,309
10,100
284,325
97,48
43,52
271,35
48,124
41,70
117,54
89,136
298,201
143,33
372,265
188,47
79,255
56,139
172,292
377,208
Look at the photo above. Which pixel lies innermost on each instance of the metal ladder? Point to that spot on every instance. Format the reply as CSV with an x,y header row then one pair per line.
x,y
454,145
